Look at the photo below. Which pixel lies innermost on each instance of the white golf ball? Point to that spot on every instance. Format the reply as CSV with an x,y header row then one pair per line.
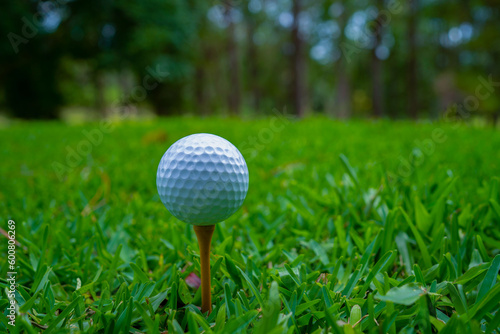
x,y
202,179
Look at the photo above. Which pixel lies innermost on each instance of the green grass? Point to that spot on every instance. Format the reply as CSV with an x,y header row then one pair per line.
x,y
337,234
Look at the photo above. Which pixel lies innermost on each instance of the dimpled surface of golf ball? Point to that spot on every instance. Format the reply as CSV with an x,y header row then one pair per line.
x,y
202,179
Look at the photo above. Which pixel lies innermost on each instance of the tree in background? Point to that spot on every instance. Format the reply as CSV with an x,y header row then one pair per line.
x,y
412,60
107,36
29,59
202,58
234,92
226,57
298,81
160,36
376,63
252,59
343,92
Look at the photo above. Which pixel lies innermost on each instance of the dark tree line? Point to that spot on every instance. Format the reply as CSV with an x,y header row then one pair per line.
x,y
364,58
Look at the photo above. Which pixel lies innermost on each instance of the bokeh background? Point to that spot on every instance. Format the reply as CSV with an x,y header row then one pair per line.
x,y
370,132
74,59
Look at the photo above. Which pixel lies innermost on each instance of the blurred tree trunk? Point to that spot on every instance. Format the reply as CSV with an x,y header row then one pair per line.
x,y
204,57
199,90
200,84
99,88
343,87
298,64
495,54
32,91
234,93
253,70
377,80
343,91
165,98
412,60
126,83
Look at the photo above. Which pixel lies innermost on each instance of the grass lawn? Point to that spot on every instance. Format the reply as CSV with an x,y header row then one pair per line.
x,y
347,228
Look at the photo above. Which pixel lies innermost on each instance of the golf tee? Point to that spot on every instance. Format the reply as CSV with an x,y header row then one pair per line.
x,y
204,235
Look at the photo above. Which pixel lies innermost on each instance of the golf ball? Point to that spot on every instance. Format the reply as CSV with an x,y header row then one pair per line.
x,y
202,179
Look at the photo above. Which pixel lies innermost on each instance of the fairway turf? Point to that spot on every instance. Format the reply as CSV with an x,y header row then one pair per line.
x,y
346,228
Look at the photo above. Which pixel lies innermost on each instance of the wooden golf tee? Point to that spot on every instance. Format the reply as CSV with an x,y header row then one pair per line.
x,y
204,235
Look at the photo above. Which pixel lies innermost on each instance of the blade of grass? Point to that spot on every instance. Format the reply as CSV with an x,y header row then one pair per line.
x,y
420,242
254,289
490,278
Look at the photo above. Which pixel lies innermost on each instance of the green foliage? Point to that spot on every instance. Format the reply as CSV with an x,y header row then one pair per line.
x,y
335,236
83,55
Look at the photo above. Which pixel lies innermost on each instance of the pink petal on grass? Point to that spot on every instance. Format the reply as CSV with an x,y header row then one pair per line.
x,y
193,281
